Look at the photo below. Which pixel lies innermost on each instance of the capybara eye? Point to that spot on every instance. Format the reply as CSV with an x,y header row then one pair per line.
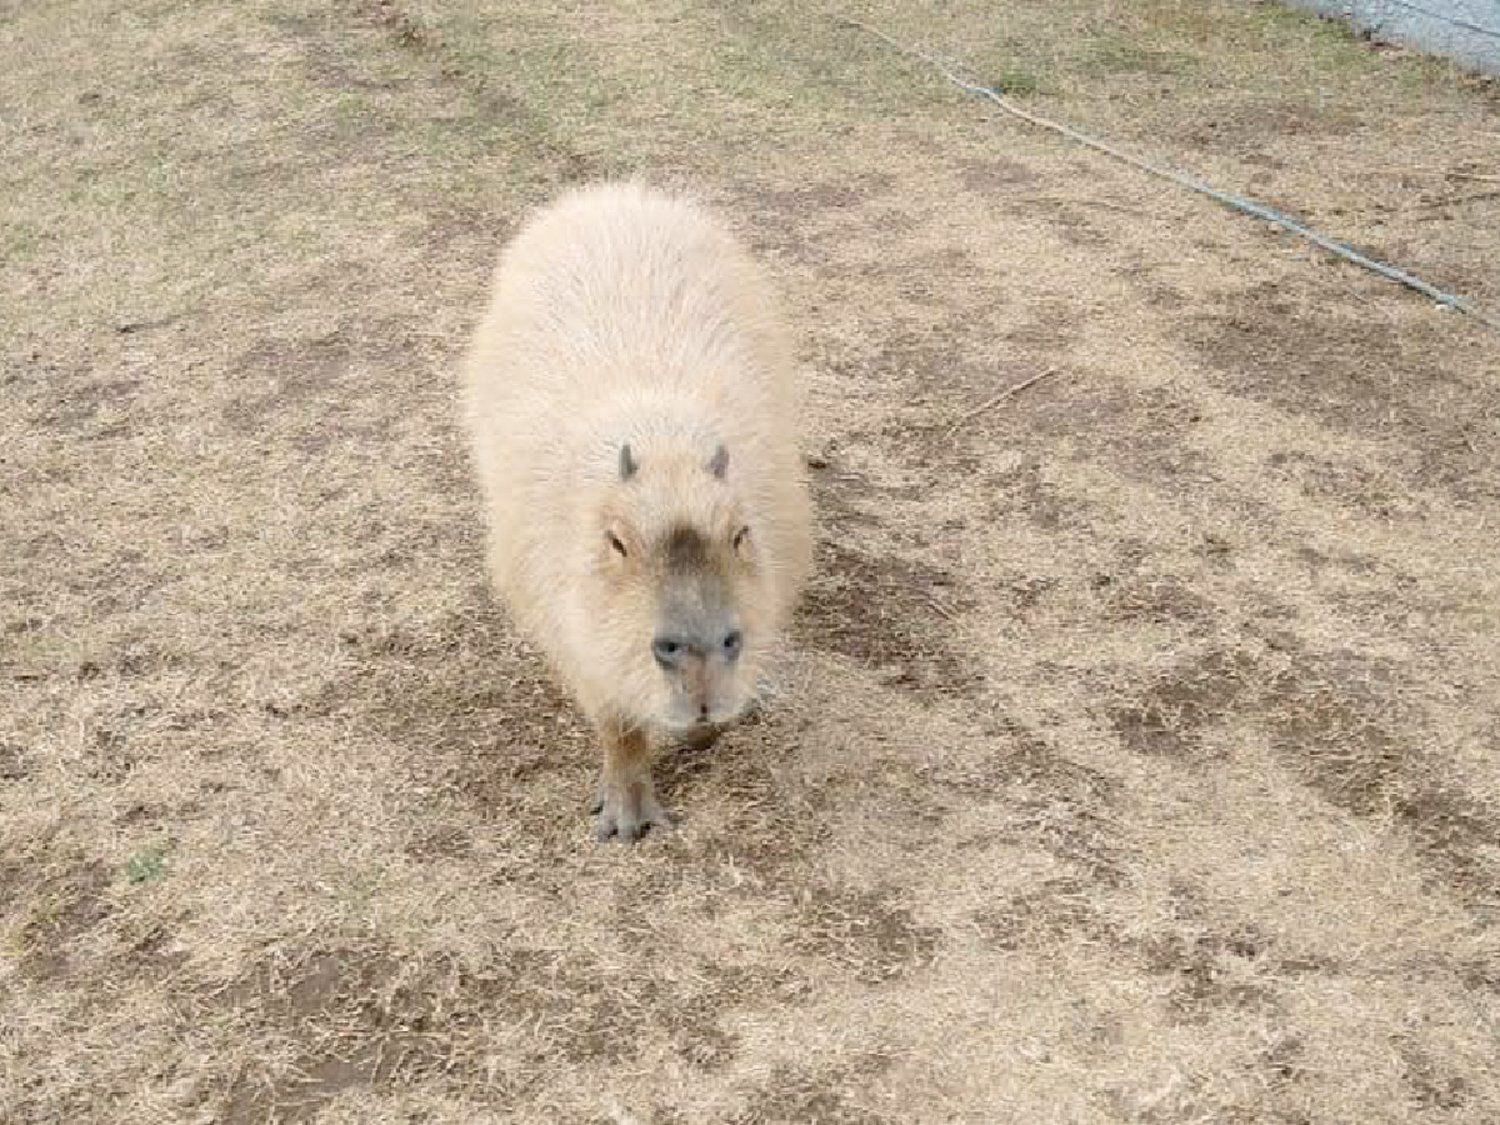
x,y
614,541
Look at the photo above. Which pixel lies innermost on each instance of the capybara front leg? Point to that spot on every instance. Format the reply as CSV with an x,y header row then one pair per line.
x,y
626,801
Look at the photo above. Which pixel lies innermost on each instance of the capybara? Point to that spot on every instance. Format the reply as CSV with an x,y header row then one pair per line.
x,y
633,410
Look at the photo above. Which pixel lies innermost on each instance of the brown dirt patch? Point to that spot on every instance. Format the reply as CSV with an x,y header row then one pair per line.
x,y
1338,722
352,1027
1052,803
862,931
887,614
62,906
1171,714
797,1093
1272,349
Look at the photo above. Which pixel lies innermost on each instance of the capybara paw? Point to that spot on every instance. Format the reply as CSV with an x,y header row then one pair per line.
x,y
626,812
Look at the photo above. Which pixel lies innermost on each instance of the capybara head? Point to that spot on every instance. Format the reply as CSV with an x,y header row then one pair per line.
x,y
676,585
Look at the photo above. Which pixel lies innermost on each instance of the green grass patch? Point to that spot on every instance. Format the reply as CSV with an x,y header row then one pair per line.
x,y
147,866
1015,82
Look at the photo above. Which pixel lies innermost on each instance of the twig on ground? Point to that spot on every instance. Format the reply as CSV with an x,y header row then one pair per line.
x,y
944,610
995,400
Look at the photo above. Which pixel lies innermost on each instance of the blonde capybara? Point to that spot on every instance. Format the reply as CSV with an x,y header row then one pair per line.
x,y
632,407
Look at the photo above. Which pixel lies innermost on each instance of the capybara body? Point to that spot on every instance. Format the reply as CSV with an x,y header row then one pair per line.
x,y
632,407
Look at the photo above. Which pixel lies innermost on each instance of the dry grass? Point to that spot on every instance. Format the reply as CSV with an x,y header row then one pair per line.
x,y
1138,758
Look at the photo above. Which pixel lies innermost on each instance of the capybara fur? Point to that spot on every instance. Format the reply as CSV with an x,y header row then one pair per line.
x,y
632,407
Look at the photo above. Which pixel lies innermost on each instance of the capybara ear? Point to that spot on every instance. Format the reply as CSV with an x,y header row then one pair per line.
x,y
718,464
628,464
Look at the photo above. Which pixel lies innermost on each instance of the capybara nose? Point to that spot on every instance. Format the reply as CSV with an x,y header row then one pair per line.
x,y
668,652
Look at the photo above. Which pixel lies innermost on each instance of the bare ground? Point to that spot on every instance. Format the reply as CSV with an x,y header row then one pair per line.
x,y
1137,761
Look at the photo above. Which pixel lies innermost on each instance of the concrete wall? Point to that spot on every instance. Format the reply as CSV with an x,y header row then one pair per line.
x,y
1467,31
